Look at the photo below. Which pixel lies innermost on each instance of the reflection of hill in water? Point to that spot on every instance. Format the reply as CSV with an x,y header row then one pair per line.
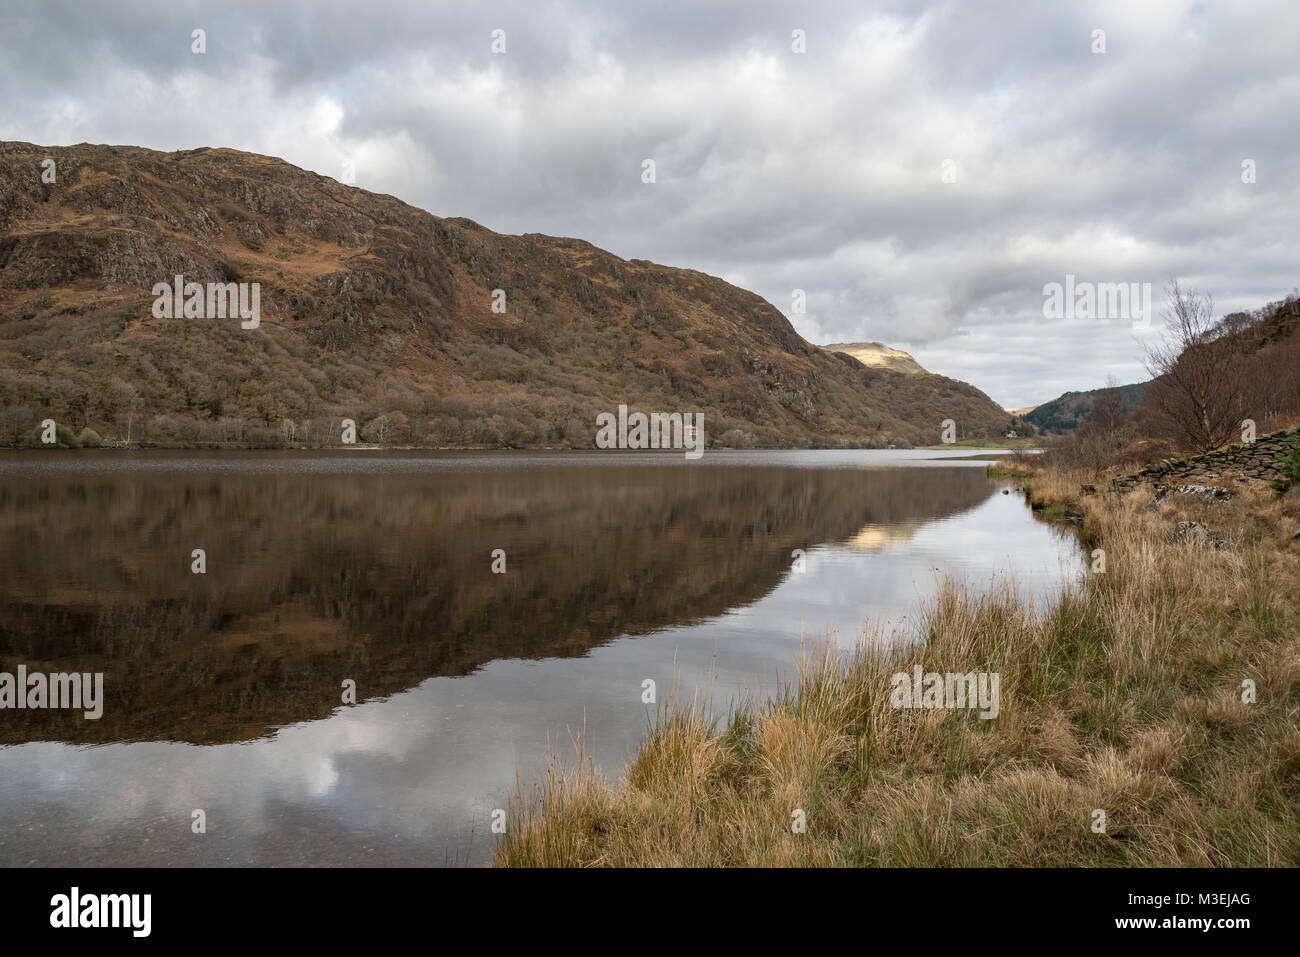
x,y
316,578
877,538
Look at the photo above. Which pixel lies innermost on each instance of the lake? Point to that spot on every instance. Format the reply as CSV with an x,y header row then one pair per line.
x,y
223,690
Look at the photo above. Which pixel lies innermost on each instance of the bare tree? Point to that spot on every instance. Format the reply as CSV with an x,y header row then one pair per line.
x,y
1199,393
1108,409
377,429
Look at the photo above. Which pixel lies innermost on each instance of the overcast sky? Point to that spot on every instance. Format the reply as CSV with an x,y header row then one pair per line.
x,y
921,171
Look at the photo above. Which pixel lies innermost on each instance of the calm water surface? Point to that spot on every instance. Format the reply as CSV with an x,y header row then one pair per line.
x,y
223,689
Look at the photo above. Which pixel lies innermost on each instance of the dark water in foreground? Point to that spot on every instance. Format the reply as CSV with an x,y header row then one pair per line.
x,y
223,690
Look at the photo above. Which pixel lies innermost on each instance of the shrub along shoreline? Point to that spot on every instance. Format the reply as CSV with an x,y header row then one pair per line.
x,y
1163,691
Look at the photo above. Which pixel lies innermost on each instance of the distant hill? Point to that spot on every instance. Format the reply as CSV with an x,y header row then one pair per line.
x,y
1071,410
423,330
877,355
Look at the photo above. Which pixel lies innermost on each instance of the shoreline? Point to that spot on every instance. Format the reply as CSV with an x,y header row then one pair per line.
x,y
973,450
1125,696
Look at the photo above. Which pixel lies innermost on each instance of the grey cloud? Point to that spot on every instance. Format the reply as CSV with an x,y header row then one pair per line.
x,y
818,171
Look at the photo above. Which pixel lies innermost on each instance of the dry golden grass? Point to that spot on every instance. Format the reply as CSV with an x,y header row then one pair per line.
x,y
1047,487
1125,695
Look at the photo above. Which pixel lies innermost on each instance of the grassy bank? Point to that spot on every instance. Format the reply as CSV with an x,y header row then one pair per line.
x,y
1125,695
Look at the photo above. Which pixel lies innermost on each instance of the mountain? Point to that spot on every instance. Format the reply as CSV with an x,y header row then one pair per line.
x,y
1067,412
423,330
879,355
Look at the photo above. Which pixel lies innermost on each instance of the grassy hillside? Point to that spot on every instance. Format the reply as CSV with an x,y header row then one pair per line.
x,y
879,355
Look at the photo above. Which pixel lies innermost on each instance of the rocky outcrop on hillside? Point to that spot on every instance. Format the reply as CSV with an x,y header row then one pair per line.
x,y
423,330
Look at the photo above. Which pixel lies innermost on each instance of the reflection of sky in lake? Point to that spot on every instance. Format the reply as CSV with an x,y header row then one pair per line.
x,y
404,780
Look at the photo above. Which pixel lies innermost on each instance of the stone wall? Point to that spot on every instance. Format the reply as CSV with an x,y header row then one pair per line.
x,y
1258,460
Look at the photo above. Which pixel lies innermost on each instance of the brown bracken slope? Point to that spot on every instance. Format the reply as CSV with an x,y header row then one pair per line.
x,y
379,312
